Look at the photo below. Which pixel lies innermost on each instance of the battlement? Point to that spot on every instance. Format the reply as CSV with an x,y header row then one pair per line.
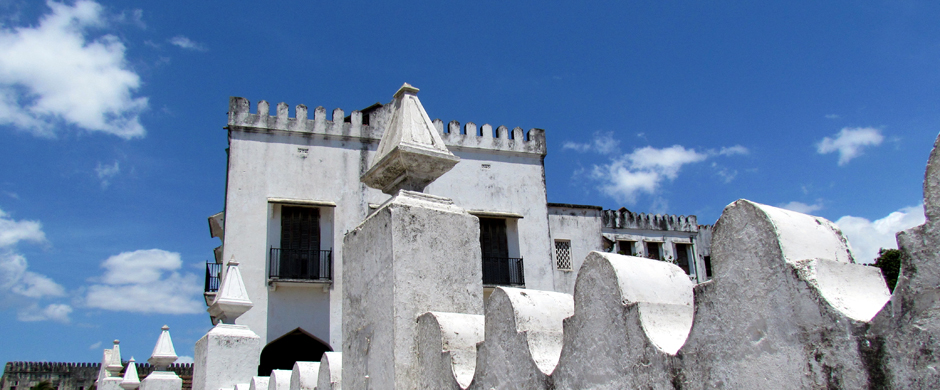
x,y
31,367
626,219
47,366
370,126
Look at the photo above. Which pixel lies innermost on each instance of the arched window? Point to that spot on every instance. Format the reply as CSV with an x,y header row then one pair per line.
x,y
294,346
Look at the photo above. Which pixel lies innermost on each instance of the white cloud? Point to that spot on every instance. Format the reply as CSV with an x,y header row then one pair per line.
x,y
95,346
12,232
185,359
832,116
186,43
106,172
602,142
146,281
53,312
727,175
849,142
56,72
733,150
643,170
20,287
866,237
801,207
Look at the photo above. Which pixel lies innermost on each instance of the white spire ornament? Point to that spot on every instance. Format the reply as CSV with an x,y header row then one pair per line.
x,y
163,353
232,299
114,366
411,153
131,380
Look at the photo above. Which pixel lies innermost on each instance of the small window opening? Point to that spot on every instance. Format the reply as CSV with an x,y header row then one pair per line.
x,y
563,254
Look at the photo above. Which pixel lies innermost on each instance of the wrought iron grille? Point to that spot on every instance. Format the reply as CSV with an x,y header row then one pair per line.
x,y
213,273
563,255
503,271
301,264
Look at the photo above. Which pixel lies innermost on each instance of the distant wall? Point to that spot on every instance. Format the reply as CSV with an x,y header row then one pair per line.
x,y
73,376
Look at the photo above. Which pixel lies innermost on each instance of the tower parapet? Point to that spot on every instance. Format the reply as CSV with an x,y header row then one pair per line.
x,y
626,219
369,127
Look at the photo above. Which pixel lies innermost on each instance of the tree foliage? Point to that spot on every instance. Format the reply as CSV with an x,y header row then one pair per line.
x,y
889,260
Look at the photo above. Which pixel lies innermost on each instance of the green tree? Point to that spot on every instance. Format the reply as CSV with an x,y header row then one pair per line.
x,y
889,260
44,385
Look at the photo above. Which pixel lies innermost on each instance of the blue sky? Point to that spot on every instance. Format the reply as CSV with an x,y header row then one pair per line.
x,y
113,153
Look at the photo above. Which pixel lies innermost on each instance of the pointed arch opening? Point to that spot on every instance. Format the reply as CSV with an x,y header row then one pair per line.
x,y
294,346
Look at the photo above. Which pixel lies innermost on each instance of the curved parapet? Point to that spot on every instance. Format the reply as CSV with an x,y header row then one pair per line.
x,y
785,295
279,380
447,348
304,375
631,316
330,376
820,253
524,335
906,340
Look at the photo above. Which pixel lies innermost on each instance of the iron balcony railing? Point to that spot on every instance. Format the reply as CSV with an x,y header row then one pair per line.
x,y
503,271
301,264
213,272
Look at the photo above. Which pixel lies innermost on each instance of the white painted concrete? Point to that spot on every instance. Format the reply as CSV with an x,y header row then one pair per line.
x,y
225,356
304,376
331,371
279,380
447,349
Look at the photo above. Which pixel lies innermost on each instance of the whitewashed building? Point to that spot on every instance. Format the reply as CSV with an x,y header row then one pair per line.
x,y
293,190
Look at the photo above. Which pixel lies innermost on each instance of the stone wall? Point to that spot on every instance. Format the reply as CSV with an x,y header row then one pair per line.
x,y
72,376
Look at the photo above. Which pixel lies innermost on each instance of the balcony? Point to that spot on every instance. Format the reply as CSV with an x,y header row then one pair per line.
x,y
503,271
213,272
213,279
300,266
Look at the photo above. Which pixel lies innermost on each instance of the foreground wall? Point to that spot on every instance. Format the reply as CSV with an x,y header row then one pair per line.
x,y
787,308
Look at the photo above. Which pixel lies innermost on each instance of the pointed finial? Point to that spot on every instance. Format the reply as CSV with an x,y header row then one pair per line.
x,y
411,153
406,88
131,380
163,353
115,366
231,300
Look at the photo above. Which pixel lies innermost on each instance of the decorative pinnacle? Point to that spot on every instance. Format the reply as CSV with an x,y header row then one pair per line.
x,y
231,301
405,88
411,153
131,380
114,366
163,353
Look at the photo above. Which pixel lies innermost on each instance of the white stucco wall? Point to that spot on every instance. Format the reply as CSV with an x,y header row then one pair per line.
x,y
319,160
581,225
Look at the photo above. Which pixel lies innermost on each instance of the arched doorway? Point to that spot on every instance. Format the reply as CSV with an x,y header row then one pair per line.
x,y
294,346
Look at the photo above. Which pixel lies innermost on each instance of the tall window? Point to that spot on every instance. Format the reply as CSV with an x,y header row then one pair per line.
x,y
563,254
299,256
682,257
498,267
654,250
